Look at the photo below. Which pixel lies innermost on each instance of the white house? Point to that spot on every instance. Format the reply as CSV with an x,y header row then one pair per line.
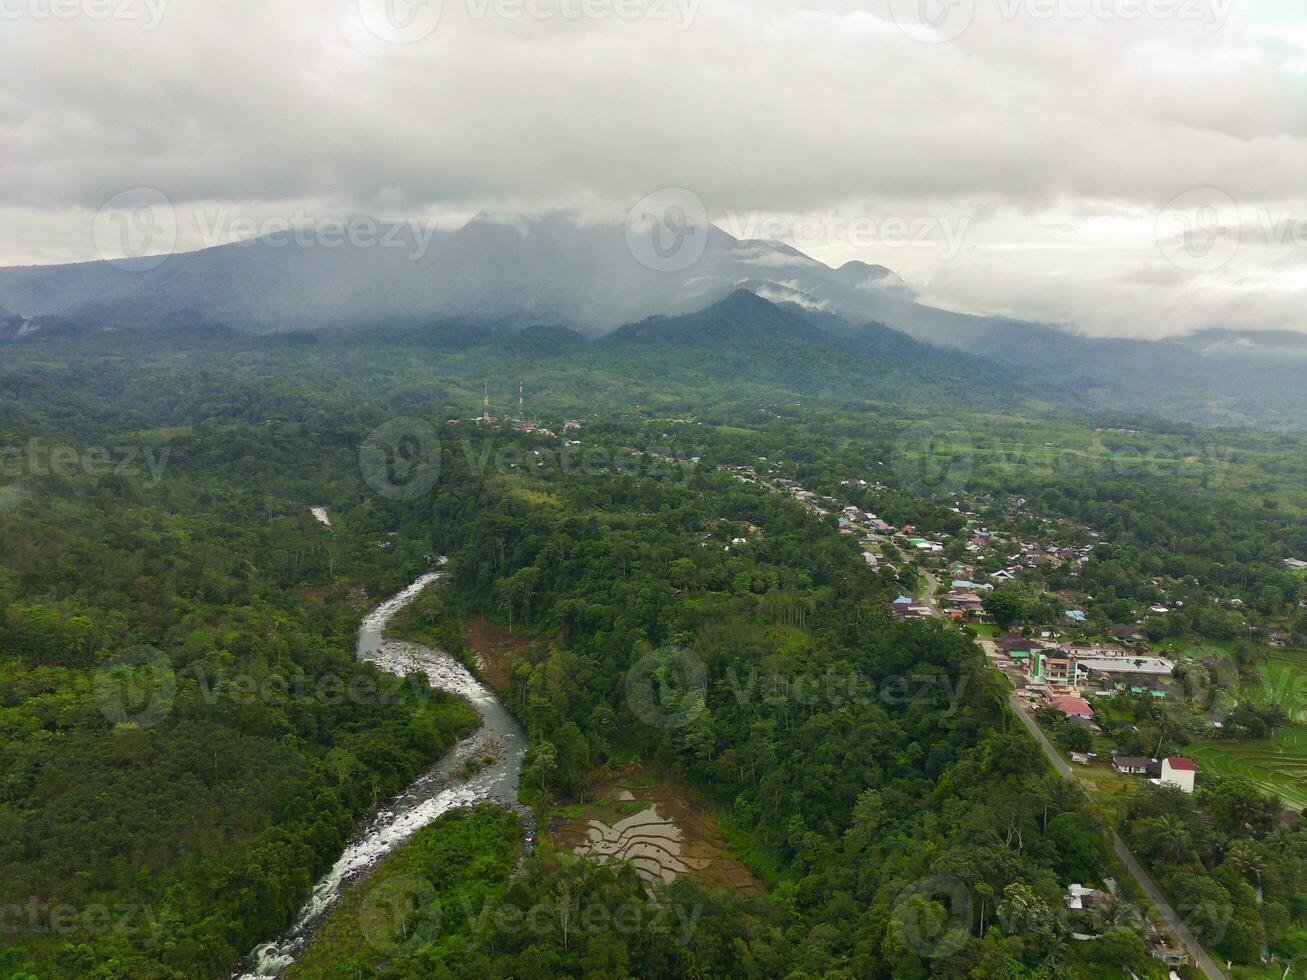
x,y
1178,771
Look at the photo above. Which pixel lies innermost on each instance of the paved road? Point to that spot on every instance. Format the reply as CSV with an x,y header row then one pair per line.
x,y
928,600
1187,938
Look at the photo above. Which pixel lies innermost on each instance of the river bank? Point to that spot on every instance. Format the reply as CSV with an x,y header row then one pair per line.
x,y
483,768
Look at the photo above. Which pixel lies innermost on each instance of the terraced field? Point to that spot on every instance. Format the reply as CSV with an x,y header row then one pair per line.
x,y
1284,679
1277,764
657,827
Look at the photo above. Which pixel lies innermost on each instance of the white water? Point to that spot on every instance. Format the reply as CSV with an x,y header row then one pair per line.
x,y
436,791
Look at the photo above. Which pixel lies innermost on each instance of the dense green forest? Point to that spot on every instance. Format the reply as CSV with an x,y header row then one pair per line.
x,y
188,740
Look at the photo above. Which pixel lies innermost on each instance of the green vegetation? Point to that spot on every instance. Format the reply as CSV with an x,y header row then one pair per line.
x,y
867,769
1211,850
428,896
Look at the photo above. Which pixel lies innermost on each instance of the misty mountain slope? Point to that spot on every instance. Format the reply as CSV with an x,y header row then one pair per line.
x,y
546,269
742,323
1213,378
746,340
740,350
499,276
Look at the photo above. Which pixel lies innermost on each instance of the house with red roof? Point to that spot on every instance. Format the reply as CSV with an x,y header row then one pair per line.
x,y
1072,707
1179,771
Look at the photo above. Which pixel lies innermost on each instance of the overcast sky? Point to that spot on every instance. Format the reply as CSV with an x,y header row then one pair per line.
x,y
1130,166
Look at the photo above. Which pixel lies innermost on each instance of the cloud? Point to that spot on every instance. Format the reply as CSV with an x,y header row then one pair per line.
x,y
1058,138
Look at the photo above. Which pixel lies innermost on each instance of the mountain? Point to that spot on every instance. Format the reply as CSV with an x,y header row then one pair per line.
x,y
744,345
444,288
524,271
1211,377
742,323
1252,345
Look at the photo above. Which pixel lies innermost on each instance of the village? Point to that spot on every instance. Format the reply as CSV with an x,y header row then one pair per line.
x,y
1053,675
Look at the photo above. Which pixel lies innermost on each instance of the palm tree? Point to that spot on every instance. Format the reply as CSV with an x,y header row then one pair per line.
x,y
1247,859
1172,838
1280,840
1057,956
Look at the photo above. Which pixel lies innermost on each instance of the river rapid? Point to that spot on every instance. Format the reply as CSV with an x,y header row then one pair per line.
x,y
439,789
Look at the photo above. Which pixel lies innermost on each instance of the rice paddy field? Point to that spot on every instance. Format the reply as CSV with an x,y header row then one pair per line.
x,y
1277,764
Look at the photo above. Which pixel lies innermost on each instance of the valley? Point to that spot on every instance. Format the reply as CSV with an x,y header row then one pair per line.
x,y
662,560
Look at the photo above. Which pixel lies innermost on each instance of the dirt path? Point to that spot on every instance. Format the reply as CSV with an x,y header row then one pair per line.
x,y
928,599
